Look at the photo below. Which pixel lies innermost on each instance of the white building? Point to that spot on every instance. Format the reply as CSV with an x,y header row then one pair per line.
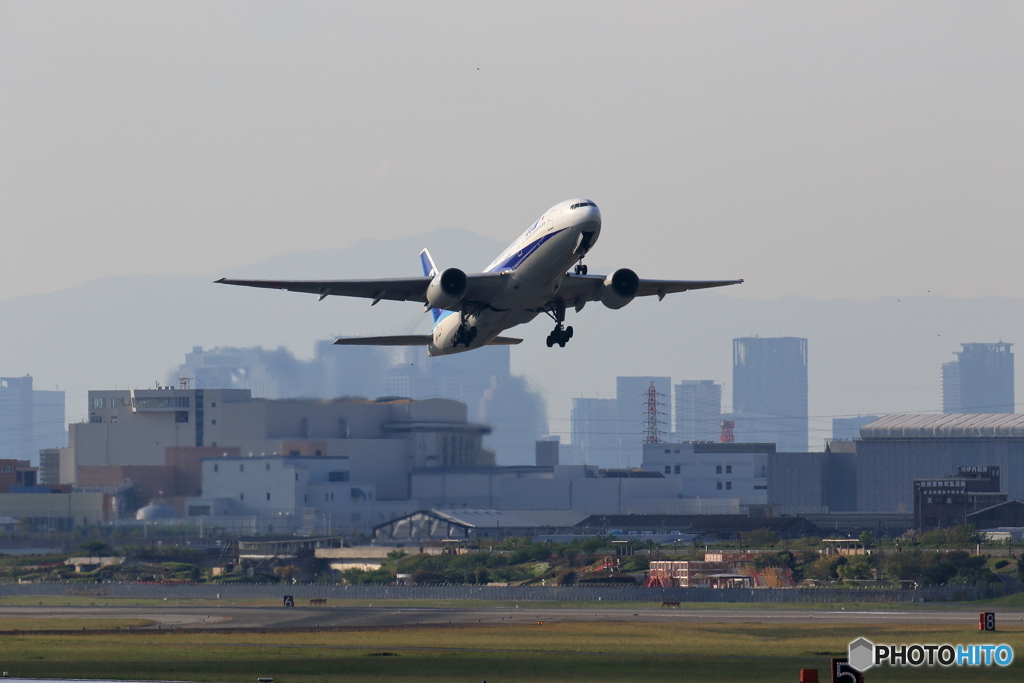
x,y
282,494
714,470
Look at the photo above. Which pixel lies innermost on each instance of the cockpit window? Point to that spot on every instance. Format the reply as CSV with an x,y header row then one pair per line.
x,y
581,205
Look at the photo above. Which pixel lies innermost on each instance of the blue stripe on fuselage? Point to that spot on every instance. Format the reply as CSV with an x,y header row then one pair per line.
x,y
517,259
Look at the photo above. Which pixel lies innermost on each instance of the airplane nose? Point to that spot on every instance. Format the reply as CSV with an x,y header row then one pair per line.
x,y
590,220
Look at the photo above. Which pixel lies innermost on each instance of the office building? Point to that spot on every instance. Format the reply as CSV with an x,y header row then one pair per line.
x,y
980,380
698,410
770,391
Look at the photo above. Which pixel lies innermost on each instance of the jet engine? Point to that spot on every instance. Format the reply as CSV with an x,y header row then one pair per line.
x,y
447,288
619,288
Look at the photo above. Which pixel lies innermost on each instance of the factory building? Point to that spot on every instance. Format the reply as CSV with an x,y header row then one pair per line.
x,y
284,494
898,449
383,440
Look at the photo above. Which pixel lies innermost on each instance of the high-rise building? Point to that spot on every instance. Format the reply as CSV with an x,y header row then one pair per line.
x,y
631,394
769,391
698,410
980,380
30,420
595,433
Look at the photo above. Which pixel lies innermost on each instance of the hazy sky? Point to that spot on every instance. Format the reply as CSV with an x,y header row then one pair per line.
x,y
826,150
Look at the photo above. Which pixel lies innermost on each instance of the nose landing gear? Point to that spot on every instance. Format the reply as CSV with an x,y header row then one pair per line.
x,y
580,269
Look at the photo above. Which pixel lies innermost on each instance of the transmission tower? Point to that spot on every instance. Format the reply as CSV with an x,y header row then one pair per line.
x,y
652,431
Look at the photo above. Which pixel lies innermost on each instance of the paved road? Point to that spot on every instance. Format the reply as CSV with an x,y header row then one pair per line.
x,y
366,616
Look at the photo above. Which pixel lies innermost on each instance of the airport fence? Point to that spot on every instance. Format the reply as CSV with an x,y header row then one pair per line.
x,y
302,592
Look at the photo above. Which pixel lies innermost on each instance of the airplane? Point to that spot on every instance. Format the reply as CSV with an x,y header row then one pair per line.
x,y
529,278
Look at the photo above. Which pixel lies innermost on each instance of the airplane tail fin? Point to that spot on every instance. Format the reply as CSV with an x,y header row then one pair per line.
x,y
430,270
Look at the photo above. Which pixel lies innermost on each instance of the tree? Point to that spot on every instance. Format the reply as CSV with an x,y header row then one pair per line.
x,y
95,548
759,538
286,572
867,538
825,568
857,567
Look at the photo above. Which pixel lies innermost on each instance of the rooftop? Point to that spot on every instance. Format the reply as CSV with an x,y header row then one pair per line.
x,y
917,426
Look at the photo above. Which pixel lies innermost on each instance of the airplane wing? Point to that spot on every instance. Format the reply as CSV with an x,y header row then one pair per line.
x,y
578,289
409,340
482,287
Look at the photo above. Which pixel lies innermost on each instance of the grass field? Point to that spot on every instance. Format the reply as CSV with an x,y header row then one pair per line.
x,y
564,652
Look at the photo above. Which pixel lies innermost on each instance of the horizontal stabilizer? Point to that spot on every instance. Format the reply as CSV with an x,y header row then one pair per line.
x,y
396,340
499,341
409,340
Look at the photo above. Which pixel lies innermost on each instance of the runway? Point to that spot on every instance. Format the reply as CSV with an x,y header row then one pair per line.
x,y
282,618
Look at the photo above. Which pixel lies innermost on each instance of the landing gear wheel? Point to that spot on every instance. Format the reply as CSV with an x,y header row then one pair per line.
x,y
581,269
550,341
561,342
568,333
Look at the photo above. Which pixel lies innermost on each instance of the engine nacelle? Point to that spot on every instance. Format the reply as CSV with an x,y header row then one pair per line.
x,y
619,288
447,288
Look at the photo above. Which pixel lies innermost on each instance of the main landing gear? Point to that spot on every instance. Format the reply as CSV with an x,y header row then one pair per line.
x,y
464,333
561,334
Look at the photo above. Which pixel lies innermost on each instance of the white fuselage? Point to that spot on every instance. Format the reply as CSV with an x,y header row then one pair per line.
x,y
532,270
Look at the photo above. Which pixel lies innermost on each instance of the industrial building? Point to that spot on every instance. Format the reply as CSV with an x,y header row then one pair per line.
x,y
383,440
769,391
482,380
898,449
980,380
284,494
